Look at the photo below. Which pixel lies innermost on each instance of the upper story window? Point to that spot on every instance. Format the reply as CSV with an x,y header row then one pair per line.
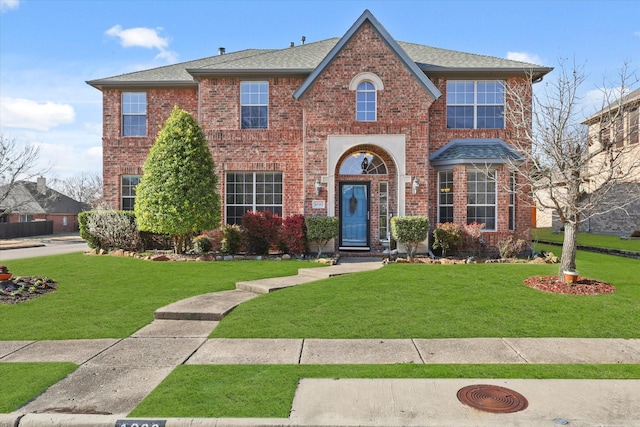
x,y
475,104
366,86
366,102
254,105
134,114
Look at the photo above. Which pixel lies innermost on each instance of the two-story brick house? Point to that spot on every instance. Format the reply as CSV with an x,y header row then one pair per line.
x,y
361,127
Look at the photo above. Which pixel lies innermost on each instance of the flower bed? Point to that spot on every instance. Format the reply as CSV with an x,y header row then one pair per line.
x,y
26,288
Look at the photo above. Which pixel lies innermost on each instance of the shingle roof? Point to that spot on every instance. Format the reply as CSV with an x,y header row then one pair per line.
x,y
391,43
304,59
626,101
474,150
25,198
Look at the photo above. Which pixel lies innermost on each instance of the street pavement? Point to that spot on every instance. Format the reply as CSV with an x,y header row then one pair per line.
x,y
115,375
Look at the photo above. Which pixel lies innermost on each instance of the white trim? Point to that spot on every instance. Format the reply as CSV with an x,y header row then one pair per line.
x,y
338,145
370,77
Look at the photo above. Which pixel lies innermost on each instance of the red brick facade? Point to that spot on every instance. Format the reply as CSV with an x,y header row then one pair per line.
x,y
303,132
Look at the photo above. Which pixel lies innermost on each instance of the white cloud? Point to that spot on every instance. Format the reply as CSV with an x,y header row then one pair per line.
x,y
6,5
144,37
27,114
524,57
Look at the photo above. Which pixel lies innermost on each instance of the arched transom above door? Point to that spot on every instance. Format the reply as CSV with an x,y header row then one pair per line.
x,y
363,163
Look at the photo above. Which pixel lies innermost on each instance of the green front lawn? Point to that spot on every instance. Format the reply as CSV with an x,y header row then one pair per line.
x,y
22,381
589,239
446,301
267,391
112,297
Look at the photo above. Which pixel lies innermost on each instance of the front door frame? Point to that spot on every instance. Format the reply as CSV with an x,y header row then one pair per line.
x,y
367,215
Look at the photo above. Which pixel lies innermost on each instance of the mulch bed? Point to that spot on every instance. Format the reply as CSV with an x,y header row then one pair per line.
x,y
23,289
581,287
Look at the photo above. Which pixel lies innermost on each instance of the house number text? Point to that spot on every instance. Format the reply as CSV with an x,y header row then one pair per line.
x,y
141,423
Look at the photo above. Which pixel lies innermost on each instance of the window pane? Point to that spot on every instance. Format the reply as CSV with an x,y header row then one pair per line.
x,y
254,101
460,117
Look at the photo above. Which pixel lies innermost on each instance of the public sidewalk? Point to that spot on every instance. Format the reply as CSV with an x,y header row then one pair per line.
x,y
114,375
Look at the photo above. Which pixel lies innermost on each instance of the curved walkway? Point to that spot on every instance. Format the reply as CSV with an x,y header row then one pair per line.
x,y
114,375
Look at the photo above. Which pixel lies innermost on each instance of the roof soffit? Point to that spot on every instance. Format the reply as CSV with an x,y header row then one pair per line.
x,y
367,16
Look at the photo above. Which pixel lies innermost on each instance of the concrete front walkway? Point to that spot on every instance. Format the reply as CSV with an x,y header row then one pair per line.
x,y
114,375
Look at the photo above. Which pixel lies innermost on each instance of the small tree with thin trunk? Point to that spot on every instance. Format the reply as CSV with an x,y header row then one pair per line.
x,y
177,195
18,162
571,170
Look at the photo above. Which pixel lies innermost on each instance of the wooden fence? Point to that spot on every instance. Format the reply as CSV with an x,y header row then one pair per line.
x,y
12,230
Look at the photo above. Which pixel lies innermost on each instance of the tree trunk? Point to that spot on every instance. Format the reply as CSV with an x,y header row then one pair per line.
x,y
569,248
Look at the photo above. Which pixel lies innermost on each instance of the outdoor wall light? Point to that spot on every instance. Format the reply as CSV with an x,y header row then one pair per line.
x,y
415,185
318,186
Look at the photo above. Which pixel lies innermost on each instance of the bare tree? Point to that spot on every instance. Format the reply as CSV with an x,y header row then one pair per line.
x,y
18,162
573,170
85,187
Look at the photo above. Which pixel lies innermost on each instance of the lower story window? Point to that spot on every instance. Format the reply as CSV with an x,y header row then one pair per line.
x,y
445,196
481,198
129,184
383,209
26,218
252,191
512,201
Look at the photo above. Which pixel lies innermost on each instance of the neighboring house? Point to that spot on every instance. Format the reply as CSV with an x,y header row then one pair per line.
x,y
617,124
362,127
34,201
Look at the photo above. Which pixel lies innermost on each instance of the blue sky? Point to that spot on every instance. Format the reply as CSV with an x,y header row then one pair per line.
x,y
49,48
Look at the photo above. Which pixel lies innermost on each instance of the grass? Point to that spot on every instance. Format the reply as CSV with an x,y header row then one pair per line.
x,y
445,301
267,391
589,239
21,381
112,297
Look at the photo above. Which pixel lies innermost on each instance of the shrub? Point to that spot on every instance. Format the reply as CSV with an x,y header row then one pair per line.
x,y
447,236
511,248
260,230
636,233
201,244
113,229
472,236
410,231
231,242
293,235
321,229
92,241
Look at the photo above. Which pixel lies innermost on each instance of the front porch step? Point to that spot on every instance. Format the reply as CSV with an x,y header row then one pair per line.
x,y
212,306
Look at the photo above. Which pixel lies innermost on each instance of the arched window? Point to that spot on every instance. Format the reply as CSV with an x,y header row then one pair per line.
x,y
366,102
363,163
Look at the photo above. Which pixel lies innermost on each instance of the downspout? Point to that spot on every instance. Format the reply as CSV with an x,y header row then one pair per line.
x,y
304,160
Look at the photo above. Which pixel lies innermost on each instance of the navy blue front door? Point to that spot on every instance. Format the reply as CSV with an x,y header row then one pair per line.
x,y
354,215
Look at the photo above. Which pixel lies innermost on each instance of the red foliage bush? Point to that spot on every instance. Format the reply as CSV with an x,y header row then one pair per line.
x,y
293,235
260,231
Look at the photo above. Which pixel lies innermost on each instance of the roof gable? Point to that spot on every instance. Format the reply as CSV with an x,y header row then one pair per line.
x,y
367,16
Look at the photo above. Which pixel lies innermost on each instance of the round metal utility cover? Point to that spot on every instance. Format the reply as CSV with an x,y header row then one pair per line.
x,y
492,398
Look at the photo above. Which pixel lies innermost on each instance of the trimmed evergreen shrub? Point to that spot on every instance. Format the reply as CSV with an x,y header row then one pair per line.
x,y
410,231
321,229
